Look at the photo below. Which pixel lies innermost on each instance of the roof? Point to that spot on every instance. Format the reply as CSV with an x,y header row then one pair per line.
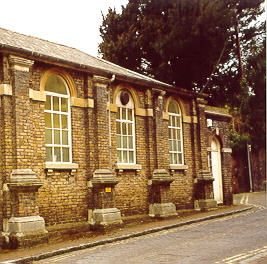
x,y
46,50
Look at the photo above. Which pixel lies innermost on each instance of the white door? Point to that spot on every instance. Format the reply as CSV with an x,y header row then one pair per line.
x,y
216,170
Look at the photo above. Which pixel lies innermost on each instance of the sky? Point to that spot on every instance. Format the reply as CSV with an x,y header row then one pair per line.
x,y
72,23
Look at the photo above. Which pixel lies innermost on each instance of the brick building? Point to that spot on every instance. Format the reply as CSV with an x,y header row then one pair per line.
x,y
86,142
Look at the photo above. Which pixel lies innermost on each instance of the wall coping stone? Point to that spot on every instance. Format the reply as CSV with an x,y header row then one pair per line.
x,y
161,176
103,177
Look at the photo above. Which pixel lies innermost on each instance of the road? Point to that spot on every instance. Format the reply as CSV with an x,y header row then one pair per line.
x,y
238,238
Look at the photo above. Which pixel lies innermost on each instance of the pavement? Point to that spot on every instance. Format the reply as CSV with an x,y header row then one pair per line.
x,y
134,227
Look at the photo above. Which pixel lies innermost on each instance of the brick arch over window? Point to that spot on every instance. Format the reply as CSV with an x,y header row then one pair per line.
x,y
67,78
131,91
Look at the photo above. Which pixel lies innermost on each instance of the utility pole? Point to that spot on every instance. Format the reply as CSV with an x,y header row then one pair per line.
x,y
249,168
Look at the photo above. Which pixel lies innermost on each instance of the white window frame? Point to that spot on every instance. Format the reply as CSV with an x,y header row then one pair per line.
x,y
60,113
127,107
174,129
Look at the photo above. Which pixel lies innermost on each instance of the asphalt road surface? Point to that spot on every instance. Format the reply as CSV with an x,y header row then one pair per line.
x,y
238,238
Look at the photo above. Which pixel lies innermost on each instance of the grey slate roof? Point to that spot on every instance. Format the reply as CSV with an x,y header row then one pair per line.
x,y
39,48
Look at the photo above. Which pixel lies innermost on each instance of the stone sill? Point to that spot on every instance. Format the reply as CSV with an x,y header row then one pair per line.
x,y
61,166
128,167
178,167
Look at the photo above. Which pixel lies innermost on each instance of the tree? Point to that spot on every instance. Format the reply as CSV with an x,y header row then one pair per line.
x,y
192,44
228,83
256,112
174,41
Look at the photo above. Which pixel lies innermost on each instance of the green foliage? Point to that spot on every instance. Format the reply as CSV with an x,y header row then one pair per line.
x,y
174,41
255,115
238,142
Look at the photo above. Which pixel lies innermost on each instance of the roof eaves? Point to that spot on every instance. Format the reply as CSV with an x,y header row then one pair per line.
x,y
94,70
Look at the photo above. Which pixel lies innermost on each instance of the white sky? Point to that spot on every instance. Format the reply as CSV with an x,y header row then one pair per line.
x,y
72,23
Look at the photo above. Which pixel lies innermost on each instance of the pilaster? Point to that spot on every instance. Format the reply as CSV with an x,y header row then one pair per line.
x,y
160,127
22,112
204,188
102,132
104,213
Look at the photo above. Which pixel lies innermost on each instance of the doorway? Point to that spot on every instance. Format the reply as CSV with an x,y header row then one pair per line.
x,y
216,169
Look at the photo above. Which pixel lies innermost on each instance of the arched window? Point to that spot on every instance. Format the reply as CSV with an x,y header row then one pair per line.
x,y
125,128
57,120
175,134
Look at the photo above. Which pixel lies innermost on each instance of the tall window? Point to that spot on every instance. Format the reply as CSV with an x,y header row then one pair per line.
x,y
175,134
125,129
57,120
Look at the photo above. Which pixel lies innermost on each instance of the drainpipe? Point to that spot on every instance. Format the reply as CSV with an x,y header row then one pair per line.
x,y
112,79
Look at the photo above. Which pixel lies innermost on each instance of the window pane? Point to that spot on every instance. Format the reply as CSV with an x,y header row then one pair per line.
x,y
124,131
57,154
55,103
170,145
124,142
64,121
174,145
64,105
48,123
124,157
131,157
130,129
118,127
124,113
56,121
170,133
48,136
55,84
174,133
118,141
179,158
119,156
173,121
175,158
130,142
130,114
173,108
65,140
66,154
178,134
171,158
178,121
56,137
48,103
179,146
49,154
118,116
